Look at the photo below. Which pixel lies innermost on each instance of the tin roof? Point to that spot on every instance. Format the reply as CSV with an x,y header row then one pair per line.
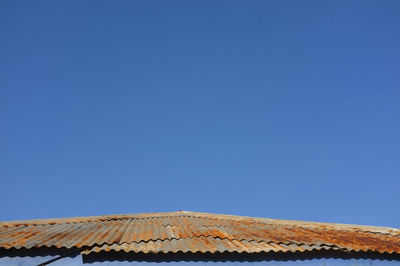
x,y
194,232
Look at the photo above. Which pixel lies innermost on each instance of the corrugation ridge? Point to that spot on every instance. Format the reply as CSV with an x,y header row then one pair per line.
x,y
212,243
269,247
103,231
141,230
32,234
9,230
123,247
265,235
20,239
44,236
256,220
60,221
14,234
120,231
271,235
94,233
178,246
215,217
220,245
277,228
23,234
288,226
142,247
55,233
111,232
317,225
186,228
127,249
192,244
239,246
126,232
76,235
333,227
156,227
347,245
247,233
201,244
359,240
55,238
89,238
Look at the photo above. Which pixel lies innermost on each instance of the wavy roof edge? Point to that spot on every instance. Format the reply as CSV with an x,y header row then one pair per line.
x,y
338,226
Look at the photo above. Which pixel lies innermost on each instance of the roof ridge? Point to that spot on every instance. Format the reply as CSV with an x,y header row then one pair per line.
x,y
77,219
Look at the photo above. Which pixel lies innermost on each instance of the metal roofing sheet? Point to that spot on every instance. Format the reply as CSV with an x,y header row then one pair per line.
x,y
194,232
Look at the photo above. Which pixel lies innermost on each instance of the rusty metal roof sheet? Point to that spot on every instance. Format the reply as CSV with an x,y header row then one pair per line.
x,y
194,232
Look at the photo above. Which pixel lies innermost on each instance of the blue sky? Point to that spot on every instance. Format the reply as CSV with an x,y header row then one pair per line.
x,y
280,109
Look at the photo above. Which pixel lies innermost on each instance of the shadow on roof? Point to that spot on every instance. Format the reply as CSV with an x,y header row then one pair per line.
x,y
237,257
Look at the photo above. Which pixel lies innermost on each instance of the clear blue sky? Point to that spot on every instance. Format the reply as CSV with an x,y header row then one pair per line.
x,y
280,109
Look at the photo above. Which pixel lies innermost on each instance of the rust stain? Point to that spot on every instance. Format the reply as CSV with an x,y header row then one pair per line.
x,y
195,232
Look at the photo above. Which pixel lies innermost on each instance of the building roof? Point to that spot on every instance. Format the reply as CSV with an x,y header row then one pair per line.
x,y
187,232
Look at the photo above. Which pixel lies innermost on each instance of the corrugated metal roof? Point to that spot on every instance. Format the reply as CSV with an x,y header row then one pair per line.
x,y
194,232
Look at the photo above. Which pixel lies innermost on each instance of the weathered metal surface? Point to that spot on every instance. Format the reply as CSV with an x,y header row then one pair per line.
x,y
205,244
195,232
